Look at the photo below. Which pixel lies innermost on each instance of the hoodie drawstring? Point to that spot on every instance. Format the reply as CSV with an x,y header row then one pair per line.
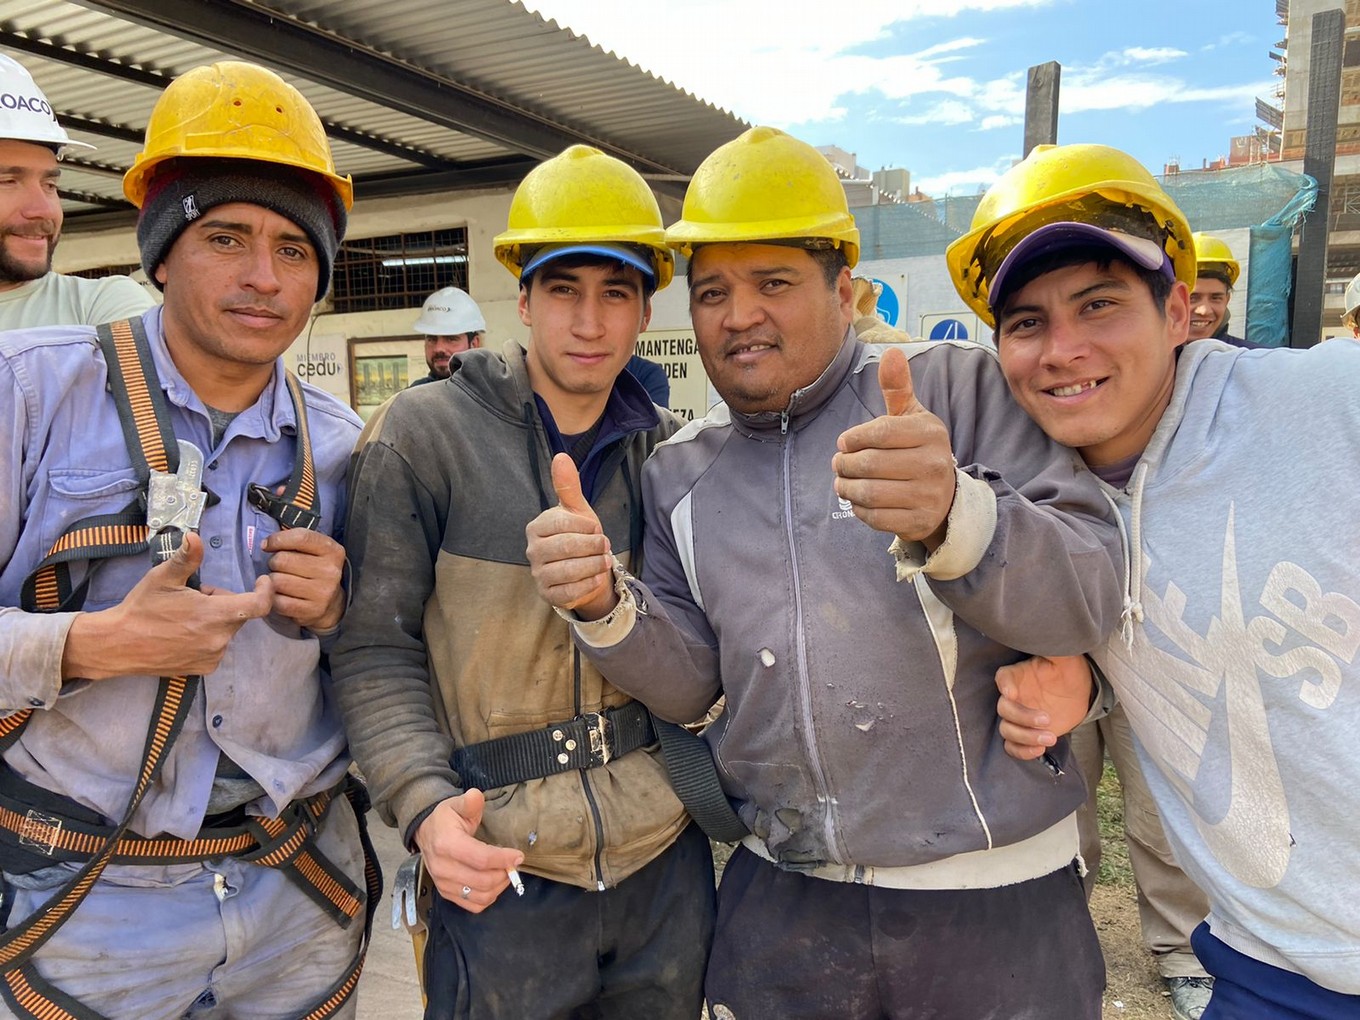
x,y
1132,540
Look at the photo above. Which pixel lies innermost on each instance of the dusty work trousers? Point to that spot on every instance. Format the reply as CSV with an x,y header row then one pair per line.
x,y
208,941
634,952
794,947
1169,904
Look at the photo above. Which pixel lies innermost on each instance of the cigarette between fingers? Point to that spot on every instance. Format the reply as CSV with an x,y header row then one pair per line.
x,y
516,881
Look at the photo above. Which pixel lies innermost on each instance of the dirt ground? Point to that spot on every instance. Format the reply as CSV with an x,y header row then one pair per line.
x,y
1133,988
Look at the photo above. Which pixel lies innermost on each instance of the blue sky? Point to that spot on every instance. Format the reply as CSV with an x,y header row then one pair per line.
x,y
943,95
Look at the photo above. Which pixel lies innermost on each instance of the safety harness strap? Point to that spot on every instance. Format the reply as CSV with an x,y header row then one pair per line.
x,y
147,433
296,506
150,440
173,700
31,997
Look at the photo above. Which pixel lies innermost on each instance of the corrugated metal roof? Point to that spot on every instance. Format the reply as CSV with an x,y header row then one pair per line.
x,y
415,96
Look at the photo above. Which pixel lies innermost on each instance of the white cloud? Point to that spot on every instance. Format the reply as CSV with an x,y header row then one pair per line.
x,y
949,113
952,46
1231,39
775,63
1153,55
806,62
1083,93
966,182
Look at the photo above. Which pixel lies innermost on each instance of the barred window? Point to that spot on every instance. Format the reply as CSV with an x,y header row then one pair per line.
x,y
398,270
99,272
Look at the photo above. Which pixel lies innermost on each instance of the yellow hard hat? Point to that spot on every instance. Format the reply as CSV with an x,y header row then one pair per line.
x,y
1103,190
765,185
1212,255
234,110
584,200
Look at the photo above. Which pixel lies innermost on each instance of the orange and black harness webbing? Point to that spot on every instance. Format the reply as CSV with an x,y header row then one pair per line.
x,y
285,842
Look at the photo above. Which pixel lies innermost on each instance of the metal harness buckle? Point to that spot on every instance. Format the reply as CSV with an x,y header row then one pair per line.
x,y
40,831
597,725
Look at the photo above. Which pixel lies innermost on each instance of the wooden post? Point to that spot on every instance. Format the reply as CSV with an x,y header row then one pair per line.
x,y
1041,105
1319,158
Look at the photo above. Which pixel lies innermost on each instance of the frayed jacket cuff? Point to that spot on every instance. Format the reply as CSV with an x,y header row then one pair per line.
x,y
608,630
968,532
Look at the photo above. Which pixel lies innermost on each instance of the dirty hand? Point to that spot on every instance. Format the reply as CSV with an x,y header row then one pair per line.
x,y
1042,699
307,568
467,872
162,627
568,550
897,471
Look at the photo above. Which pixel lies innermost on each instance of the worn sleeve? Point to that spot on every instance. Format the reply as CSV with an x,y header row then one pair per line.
x,y
668,657
1047,581
31,644
379,664
119,297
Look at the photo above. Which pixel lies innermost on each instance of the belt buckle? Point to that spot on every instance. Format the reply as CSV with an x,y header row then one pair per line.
x,y
40,831
597,727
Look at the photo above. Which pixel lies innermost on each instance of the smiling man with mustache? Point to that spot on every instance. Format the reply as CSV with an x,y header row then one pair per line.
x,y
846,549
31,145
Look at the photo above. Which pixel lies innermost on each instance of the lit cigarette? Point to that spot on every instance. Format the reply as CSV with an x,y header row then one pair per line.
x,y
516,881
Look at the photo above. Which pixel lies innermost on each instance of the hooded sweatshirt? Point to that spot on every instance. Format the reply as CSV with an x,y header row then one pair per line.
x,y
1237,661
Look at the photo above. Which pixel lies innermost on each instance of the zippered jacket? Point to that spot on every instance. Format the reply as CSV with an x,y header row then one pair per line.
x,y
860,726
447,642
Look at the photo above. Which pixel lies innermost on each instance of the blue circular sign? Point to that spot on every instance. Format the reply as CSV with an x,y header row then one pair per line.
x,y
949,329
889,308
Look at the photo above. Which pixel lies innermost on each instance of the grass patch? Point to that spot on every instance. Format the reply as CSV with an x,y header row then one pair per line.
x,y
1114,852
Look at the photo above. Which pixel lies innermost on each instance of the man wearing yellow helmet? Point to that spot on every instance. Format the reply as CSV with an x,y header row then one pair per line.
x,y
896,863
206,806
487,739
1236,663
1216,276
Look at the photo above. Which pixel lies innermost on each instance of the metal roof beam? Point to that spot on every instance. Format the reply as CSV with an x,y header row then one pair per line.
x,y
159,80
351,67
480,175
102,129
89,166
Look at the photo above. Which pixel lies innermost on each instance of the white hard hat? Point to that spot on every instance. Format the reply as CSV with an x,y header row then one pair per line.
x,y
1352,306
25,114
449,312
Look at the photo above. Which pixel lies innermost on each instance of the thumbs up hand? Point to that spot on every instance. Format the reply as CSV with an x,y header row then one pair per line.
x,y
568,550
897,471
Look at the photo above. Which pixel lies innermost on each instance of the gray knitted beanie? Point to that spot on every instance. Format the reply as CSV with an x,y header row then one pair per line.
x,y
185,189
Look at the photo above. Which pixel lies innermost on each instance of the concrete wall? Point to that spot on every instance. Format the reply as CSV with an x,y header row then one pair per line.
x,y
362,356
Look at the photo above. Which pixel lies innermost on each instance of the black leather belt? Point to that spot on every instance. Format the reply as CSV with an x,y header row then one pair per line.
x,y
586,742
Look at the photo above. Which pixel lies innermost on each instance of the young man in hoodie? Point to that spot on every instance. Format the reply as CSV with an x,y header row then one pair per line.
x,y
1237,662
485,737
